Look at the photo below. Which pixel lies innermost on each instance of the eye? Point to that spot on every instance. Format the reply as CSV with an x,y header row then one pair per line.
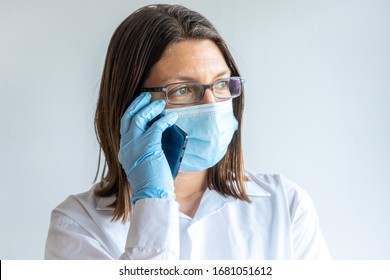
x,y
180,90
223,84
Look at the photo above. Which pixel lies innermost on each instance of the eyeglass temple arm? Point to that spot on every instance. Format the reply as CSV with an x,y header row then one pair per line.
x,y
155,89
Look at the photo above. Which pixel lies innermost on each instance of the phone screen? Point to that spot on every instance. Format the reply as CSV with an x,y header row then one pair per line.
x,y
174,141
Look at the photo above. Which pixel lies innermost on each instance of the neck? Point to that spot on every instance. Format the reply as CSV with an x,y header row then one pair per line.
x,y
189,189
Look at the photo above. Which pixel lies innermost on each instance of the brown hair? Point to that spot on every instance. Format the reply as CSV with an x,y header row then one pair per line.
x,y
136,45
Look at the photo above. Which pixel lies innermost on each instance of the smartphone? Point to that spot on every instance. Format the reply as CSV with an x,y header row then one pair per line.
x,y
174,142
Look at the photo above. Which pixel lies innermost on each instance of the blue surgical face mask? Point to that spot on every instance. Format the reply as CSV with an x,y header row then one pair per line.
x,y
210,128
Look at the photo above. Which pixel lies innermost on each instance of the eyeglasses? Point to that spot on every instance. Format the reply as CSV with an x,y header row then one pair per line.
x,y
188,93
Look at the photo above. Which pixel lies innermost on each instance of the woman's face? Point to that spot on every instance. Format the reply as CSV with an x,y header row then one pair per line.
x,y
198,61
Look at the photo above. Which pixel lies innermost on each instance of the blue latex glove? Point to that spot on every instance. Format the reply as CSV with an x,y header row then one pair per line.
x,y
140,152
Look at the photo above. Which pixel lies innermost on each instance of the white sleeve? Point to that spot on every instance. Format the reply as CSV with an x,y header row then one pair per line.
x,y
153,234
154,231
308,240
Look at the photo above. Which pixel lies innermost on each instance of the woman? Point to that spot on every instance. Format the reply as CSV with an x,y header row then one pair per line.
x,y
169,61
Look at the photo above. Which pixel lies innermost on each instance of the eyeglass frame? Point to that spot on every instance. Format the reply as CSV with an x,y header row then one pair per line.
x,y
205,87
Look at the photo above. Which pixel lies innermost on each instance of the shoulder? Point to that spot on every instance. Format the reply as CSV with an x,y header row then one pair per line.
x,y
74,201
86,204
273,183
81,227
290,207
279,188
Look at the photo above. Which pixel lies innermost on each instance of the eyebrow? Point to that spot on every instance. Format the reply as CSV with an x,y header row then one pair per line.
x,y
184,78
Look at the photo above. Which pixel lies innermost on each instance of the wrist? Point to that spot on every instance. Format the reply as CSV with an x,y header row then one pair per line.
x,y
153,193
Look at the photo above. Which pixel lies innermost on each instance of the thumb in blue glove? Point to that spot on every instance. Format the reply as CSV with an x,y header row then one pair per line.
x,y
140,151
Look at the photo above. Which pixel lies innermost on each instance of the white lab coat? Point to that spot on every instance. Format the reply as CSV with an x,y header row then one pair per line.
x,y
280,223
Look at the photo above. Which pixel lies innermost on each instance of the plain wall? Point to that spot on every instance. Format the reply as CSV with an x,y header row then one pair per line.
x,y
317,108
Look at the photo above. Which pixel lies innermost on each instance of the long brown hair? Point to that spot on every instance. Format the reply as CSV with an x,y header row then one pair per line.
x,y
136,45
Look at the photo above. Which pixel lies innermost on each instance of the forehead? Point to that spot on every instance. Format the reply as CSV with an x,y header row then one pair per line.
x,y
190,60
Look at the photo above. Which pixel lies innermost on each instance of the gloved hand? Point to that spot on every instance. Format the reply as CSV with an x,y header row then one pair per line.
x,y
140,152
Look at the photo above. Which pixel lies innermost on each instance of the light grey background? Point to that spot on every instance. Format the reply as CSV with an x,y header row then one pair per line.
x,y
317,108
